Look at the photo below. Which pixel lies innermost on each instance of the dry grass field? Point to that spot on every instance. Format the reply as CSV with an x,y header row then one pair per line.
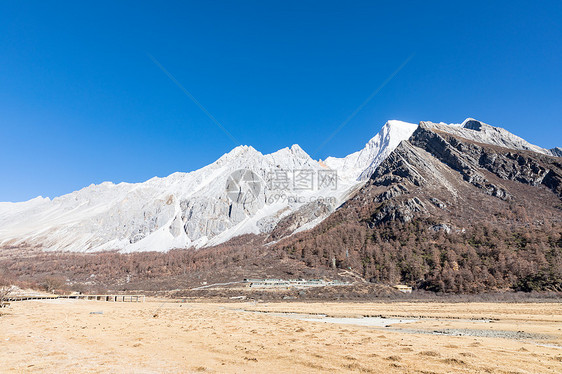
x,y
76,336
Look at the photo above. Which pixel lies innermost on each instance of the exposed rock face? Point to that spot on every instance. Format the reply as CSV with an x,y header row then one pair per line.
x,y
399,167
393,192
403,211
467,157
307,214
441,227
480,132
438,203
460,156
361,165
557,152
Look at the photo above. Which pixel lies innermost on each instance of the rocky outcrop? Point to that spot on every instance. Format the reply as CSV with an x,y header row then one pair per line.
x,y
403,211
556,152
479,132
306,214
441,227
392,193
399,167
553,180
458,155
438,203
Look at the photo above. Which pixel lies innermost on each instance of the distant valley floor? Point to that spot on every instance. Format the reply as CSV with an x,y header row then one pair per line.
x,y
167,336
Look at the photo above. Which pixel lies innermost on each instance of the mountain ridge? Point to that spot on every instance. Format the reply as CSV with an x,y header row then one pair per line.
x,y
192,210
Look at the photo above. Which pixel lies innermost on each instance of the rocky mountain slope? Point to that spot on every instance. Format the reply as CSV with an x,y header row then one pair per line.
x,y
458,208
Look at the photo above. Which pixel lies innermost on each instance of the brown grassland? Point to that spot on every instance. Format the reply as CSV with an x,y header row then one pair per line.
x,y
162,336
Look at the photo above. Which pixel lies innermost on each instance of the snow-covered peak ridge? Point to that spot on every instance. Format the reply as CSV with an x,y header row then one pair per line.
x,y
245,152
35,200
177,211
361,164
481,132
295,151
240,151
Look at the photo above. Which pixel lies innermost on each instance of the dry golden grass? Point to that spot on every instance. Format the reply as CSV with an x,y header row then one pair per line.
x,y
63,337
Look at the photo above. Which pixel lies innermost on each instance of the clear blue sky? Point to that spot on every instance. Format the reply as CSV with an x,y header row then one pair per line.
x,y
81,102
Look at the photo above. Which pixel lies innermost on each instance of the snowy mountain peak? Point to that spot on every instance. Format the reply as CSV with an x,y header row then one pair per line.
x,y
297,150
239,151
361,164
472,124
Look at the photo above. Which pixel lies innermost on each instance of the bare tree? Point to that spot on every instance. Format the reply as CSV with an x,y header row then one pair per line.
x,y
5,291
54,283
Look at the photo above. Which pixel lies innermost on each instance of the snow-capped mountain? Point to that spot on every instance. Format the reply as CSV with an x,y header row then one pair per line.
x,y
361,164
181,210
189,209
244,191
